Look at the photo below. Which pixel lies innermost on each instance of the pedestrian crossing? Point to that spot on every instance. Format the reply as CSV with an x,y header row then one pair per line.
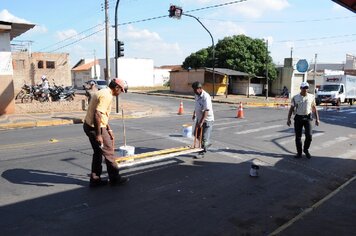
x,y
278,137
338,110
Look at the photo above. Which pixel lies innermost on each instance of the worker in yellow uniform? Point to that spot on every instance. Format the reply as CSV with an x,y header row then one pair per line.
x,y
96,127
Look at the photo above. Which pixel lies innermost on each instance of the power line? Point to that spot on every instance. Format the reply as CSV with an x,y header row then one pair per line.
x,y
217,5
198,9
331,43
312,39
75,35
281,22
78,40
137,21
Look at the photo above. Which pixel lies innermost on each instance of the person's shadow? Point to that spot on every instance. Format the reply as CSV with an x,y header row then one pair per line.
x,y
41,178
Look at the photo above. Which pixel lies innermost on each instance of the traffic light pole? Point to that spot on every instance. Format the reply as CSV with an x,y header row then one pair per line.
x,y
116,52
213,48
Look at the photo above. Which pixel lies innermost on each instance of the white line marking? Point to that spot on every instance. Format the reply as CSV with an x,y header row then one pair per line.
x,y
293,139
233,122
276,134
259,129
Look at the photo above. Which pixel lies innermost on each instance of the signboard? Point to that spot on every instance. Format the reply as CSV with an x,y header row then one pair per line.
x,y
302,66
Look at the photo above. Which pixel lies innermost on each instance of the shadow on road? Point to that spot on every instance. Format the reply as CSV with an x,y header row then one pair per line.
x,y
40,177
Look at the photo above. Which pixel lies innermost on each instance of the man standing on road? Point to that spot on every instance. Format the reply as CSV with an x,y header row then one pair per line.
x,y
204,115
101,137
303,104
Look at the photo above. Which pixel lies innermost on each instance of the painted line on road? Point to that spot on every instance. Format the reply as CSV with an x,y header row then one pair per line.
x,y
276,135
259,129
227,123
293,139
312,208
330,143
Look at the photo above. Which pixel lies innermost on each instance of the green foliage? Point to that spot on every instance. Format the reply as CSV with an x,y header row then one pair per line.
x,y
196,60
237,52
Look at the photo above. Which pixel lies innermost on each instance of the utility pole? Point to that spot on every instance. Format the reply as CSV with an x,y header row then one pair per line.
x,y
291,52
314,74
95,75
107,55
267,69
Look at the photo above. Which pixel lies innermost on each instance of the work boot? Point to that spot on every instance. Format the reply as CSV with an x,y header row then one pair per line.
x,y
200,155
121,181
299,155
307,154
97,182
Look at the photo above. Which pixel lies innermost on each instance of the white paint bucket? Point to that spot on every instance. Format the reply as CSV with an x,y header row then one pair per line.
x,y
126,151
187,131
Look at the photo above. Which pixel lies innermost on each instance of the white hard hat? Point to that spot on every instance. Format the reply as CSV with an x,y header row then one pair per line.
x,y
43,77
304,84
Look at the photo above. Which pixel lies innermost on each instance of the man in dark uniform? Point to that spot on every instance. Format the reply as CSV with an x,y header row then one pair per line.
x,y
303,105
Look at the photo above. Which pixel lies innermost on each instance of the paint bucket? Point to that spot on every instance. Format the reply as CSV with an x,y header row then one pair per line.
x,y
254,170
126,151
187,130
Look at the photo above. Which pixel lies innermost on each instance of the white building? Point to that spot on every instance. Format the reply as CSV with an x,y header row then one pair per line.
x,y
135,71
85,70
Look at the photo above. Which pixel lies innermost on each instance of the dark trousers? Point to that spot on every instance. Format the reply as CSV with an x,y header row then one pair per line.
x,y
299,123
107,151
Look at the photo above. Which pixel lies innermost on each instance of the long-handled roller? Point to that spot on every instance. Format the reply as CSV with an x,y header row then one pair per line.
x,y
125,150
161,154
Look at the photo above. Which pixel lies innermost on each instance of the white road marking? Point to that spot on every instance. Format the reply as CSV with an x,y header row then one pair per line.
x,y
330,143
293,139
276,134
227,123
258,129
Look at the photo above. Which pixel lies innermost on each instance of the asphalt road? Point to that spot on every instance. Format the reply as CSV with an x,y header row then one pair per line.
x,y
44,184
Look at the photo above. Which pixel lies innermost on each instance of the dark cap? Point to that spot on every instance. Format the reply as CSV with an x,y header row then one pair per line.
x,y
196,85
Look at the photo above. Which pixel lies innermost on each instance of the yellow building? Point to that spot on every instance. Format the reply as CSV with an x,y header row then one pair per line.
x,y
226,81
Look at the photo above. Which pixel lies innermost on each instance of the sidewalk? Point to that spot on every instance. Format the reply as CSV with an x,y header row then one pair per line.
x,y
28,120
132,110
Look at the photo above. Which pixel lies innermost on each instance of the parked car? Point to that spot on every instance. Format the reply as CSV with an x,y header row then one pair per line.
x,y
100,84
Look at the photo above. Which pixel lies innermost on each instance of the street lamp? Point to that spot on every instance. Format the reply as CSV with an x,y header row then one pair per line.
x,y
177,12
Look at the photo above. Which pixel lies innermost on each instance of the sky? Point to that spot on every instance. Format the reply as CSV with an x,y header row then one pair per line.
x,y
303,28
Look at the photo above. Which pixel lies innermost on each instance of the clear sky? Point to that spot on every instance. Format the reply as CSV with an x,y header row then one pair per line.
x,y
77,26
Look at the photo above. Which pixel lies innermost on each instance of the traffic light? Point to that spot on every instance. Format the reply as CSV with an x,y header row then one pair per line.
x,y
172,11
175,11
119,49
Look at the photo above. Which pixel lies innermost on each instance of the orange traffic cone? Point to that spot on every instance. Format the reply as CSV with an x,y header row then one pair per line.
x,y
180,110
240,111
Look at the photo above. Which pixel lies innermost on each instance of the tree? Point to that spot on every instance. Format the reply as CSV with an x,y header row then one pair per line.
x,y
197,59
237,52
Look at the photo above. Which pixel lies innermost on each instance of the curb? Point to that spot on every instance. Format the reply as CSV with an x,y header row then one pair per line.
x,y
251,104
69,121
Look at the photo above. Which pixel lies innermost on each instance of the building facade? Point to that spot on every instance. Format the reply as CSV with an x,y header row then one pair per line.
x,y
30,67
8,31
